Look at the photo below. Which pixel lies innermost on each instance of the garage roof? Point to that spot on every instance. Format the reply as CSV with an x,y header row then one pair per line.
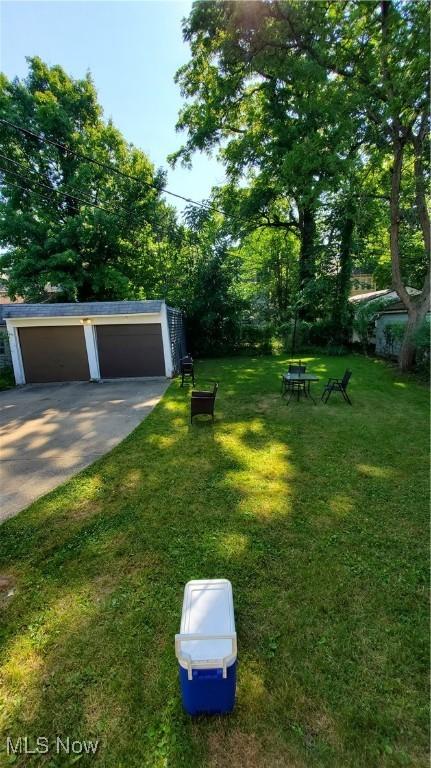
x,y
84,309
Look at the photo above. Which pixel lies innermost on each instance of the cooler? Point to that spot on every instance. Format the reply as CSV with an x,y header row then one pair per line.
x,y
206,647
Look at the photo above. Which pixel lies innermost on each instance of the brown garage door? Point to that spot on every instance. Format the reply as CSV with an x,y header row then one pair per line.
x,y
54,353
130,350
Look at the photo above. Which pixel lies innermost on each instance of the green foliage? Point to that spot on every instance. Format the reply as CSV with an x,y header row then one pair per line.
x,y
328,331
213,306
268,273
7,379
51,234
422,339
213,314
256,338
302,101
316,514
364,315
295,335
398,331
336,350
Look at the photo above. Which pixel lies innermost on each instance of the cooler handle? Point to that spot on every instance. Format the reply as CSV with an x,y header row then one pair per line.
x,y
196,636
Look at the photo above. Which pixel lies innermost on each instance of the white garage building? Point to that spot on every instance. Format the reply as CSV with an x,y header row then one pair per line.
x,y
94,340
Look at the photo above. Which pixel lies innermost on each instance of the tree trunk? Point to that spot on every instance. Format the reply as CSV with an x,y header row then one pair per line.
x,y
340,309
307,228
407,355
421,186
416,309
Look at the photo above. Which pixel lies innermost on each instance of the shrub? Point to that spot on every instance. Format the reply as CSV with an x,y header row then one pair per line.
x,y
322,332
302,334
364,317
256,337
336,350
422,338
7,379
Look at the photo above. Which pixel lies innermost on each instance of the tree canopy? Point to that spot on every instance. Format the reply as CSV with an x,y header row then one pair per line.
x,y
67,221
319,112
313,108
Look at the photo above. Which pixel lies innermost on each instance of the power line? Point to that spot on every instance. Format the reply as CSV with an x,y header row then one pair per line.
x,y
68,194
33,191
82,200
106,166
49,200
110,168
36,173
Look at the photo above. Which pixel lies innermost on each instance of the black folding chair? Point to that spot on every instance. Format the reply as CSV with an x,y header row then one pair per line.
x,y
289,386
337,385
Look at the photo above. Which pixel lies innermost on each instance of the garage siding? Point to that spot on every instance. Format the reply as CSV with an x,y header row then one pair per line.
x,y
54,353
130,350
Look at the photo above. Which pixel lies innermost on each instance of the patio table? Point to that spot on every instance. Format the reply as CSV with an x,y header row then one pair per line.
x,y
299,379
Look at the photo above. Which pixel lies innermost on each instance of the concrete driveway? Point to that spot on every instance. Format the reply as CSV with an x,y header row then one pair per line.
x,y
48,432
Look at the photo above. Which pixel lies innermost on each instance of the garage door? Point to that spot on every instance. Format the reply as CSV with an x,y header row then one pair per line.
x,y
130,350
54,353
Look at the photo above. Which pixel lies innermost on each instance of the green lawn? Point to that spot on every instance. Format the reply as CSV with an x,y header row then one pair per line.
x,y
318,516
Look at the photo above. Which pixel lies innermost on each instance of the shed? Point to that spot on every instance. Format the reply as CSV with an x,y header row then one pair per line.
x,y
94,340
388,344
387,295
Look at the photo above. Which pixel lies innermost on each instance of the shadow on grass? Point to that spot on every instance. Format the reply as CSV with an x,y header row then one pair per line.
x,y
314,514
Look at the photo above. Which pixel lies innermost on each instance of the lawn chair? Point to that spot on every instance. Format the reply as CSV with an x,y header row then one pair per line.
x,y
203,403
337,385
292,386
187,369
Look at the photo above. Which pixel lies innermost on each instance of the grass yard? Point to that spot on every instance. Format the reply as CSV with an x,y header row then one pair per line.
x,y
318,516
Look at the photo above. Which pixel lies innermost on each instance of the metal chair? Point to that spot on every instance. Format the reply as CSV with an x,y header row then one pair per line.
x,y
187,369
297,367
293,386
203,403
337,385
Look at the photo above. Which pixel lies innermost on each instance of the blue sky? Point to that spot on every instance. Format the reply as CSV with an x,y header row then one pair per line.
x,y
133,50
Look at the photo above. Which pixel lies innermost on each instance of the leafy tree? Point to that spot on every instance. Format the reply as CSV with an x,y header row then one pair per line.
x,y
213,307
364,315
269,273
280,120
301,97
380,51
65,221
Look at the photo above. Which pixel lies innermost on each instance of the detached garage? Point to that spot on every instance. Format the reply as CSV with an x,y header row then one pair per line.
x,y
93,341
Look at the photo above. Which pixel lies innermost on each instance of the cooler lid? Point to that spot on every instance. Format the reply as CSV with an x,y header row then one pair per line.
x,y
208,610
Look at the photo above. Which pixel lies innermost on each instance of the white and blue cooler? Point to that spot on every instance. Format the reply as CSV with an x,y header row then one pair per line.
x,y
206,647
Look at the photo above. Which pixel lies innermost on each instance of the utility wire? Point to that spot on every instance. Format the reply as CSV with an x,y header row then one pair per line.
x,y
40,175
110,168
106,166
34,191
82,200
66,193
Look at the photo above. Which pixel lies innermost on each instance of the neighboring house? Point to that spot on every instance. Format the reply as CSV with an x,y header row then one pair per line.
x,y
388,329
5,354
388,295
361,281
94,340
